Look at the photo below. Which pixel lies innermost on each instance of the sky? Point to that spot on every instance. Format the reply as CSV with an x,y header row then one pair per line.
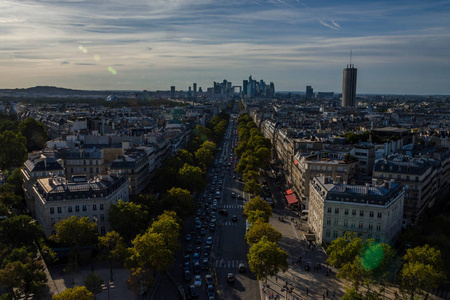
x,y
398,47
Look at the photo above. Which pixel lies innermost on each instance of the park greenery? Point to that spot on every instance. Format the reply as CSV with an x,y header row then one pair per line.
x,y
366,266
75,293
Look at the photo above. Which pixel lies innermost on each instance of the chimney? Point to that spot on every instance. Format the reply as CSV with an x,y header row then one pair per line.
x,y
391,184
386,184
366,189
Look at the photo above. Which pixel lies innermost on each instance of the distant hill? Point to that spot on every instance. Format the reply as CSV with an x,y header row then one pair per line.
x,y
57,92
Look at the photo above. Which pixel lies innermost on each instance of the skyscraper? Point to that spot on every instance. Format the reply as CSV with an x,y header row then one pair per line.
x,y
349,86
195,89
172,92
309,92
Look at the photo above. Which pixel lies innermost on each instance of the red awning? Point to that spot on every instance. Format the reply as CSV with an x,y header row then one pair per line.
x,y
291,199
295,162
288,192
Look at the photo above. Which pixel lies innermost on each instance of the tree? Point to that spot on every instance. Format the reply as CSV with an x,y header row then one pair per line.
x,y
204,156
112,248
211,146
258,204
191,178
93,283
18,231
23,272
12,149
35,134
76,293
266,259
15,179
422,271
259,229
185,157
75,232
140,279
167,225
344,250
257,216
127,218
180,201
252,187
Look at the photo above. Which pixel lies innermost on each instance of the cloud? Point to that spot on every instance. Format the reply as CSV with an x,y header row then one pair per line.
x,y
65,63
332,26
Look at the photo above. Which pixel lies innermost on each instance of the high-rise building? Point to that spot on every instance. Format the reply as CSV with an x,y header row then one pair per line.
x,y
349,86
309,92
194,85
172,92
244,87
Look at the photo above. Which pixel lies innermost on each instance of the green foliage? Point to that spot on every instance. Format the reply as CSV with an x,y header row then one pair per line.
x,y
252,187
204,157
112,248
93,283
15,179
191,178
35,134
258,204
15,153
258,215
75,293
167,225
180,201
140,279
18,231
344,250
422,271
185,157
266,259
127,218
259,229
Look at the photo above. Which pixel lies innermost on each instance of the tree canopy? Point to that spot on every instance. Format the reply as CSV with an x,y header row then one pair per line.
x,y
259,229
258,204
127,218
75,293
35,134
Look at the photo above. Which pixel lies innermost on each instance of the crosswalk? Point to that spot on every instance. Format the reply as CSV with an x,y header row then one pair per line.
x,y
226,223
227,264
233,206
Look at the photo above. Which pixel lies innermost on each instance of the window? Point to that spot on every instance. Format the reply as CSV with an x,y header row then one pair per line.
x,y
94,206
370,225
336,210
101,205
361,225
335,234
345,223
379,215
102,217
102,230
336,221
52,210
371,214
329,210
352,225
69,209
52,221
59,210
346,211
353,212
327,233
377,238
77,208
84,207
328,221
361,213
378,226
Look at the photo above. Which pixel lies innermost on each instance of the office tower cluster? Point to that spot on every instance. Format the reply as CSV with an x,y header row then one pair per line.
x,y
252,88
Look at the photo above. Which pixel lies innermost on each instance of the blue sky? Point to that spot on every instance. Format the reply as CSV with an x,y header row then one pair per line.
x,y
399,47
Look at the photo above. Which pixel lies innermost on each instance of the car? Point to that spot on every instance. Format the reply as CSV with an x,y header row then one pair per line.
x,y
239,197
234,218
209,241
188,237
202,231
199,240
189,248
233,195
213,219
230,277
240,179
193,291
210,291
205,264
197,268
196,257
212,227
241,268
203,216
223,212
207,249
187,275
209,280
214,207
206,255
198,226
197,280
198,213
187,258
186,266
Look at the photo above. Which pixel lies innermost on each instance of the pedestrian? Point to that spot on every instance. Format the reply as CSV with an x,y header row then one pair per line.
x,y
300,259
334,294
327,293
276,278
271,294
323,296
307,291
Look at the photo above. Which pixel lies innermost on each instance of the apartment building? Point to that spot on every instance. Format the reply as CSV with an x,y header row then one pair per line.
x,y
371,211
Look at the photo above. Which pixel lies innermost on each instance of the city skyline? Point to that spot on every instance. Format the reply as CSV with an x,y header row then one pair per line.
x,y
399,48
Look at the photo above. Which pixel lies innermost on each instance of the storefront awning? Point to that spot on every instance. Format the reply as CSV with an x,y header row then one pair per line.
x,y
288,192
291,199
295,162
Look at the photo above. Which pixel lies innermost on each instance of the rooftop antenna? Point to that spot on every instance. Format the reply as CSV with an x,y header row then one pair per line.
x,y
350,58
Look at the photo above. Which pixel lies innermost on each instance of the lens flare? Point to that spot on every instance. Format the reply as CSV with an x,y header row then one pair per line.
x,y
82,49
111,69
97,57
373,257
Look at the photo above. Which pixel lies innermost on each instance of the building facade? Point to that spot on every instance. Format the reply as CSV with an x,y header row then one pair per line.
x,y
371,211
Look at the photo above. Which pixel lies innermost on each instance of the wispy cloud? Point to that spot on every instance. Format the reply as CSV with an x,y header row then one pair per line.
x,y
332,26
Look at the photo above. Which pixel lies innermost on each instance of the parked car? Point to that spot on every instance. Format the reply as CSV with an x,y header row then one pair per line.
x,y
230,277
187,275
193,291
241,268
197,280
